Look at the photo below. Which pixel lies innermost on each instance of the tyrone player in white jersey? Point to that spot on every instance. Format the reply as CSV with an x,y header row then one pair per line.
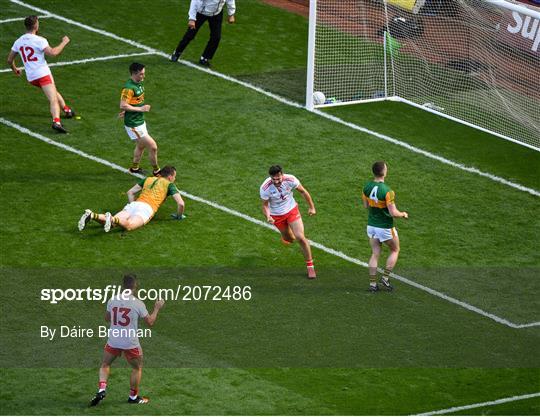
x,y
280,209
124,316
32,49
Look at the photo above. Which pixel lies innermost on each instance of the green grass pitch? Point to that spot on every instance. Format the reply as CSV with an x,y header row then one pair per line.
x,y
297,347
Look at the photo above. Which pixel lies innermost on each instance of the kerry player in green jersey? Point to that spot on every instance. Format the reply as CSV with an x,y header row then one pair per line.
x,y
378,198
132,109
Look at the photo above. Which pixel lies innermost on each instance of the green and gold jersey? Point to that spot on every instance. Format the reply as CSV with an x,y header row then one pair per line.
x,y
379,195
155,190
133,94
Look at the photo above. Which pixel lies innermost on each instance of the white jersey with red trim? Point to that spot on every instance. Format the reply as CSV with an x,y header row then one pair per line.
x,y
125,321
280,199
31,48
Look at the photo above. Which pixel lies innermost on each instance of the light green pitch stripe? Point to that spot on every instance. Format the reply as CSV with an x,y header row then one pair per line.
x,y
324,248
335,119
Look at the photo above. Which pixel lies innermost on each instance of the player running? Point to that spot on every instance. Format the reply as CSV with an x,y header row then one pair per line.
x,y
378,198
281,210
132,109
32,49
152,193
124,318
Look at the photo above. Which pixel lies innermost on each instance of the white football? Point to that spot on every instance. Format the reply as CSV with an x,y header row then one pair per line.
x,y
318,98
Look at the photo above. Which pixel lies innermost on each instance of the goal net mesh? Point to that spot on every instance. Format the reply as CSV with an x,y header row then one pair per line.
x,y
470,60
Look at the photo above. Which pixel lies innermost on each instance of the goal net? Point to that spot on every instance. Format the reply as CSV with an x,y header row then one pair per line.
x,y
474,61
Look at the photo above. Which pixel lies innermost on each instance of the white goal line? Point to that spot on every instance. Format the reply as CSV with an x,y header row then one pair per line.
x,y
276,97
236,213
87,60
479,405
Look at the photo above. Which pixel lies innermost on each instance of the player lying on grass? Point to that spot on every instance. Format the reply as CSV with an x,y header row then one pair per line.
x,y
123,316
281,210
32,49
152,193
378,198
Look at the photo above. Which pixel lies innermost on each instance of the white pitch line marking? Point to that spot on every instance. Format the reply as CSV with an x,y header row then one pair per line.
x,y
82,25
264,224
478,405
394,141
87,60
20,19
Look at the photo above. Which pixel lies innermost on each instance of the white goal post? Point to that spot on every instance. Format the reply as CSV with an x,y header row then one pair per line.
x,y
476,62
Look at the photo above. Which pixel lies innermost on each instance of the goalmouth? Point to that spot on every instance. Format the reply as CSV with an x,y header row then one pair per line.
x,y
476,62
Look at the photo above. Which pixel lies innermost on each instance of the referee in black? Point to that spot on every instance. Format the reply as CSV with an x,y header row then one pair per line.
x,y
199,12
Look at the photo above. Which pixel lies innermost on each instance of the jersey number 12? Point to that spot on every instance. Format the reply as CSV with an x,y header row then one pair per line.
x,y
30,51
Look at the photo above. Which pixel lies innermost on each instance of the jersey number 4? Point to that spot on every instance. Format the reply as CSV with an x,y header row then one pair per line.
x,y
124,319
27,54
373,194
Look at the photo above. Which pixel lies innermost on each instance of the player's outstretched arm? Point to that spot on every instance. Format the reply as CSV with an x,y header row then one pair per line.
x,y
133,191
57,50
309,200
151,318
11,63
180,207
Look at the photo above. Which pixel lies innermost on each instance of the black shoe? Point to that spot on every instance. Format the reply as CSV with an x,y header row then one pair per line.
x,y
386,285
174,57
138,400
204,62
69,114
156,172
373,288
58,127
137,171
100,395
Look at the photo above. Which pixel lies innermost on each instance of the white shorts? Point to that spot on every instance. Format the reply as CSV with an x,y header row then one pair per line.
x,y
381,234
137,132
141,209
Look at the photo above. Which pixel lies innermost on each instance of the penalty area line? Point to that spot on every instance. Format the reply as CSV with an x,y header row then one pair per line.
x,y
236,213
479,405
283,100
